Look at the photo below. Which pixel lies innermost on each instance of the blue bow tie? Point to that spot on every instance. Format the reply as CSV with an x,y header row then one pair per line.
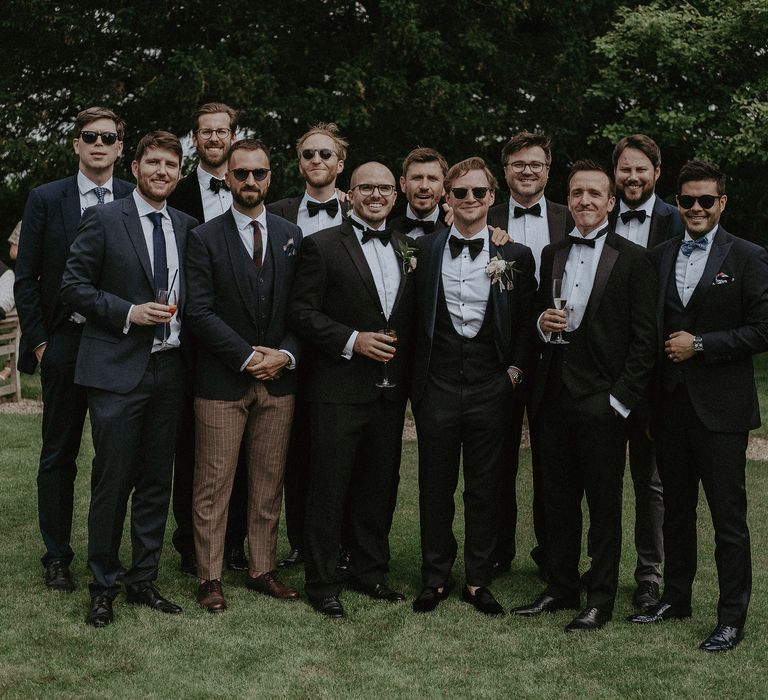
x,y
687,247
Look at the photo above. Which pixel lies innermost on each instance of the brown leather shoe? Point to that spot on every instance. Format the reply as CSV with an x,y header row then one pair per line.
x,y
269,585
210,596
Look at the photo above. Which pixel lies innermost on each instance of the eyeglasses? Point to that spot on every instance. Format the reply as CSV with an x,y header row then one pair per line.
x,y
366,189
108,138
205,134
324,153
477,192
706,201
518,166
241,174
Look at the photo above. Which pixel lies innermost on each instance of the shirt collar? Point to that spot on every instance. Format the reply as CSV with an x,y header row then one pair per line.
x,y
204,177
514,203
308,198
410,214
575,231
85,185
480,234
647,206
380,227
144,208
242,221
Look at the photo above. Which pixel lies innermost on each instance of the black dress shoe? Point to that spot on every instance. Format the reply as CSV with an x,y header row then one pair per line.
x,y
150,596
546,603
723,638
430,598
100,614
294,557
483,601
378,591
646,595
660,613
329,606
236,560
588,620
58,578
189,564
500,567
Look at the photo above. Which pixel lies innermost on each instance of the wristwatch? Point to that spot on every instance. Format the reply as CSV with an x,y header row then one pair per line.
x,y
698,344
515,375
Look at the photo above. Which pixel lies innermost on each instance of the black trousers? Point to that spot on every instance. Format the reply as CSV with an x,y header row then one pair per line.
x,y
134,441
297,475
582,451
455,422
355,456
688,453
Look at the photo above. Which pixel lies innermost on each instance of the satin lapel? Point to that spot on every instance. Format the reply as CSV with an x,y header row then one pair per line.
x,y
292,211
136,236
558,264
399,239
720,248
238,257
432,272
70,209
276,240
556,219
658,223
180,234
500,301
350,242
605,265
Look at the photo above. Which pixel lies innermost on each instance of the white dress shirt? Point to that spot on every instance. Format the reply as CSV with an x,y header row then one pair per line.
x,y
418,231
86,188
312,224
214,203
6,291
529,230
688,271
635,231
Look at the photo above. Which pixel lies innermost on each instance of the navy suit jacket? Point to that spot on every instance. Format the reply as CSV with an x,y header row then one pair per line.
x,y
665,222
109,270
48,228
221,309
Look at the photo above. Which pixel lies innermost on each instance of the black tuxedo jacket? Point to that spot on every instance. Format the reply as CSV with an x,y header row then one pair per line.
x,y
665,222
187,197
108,270
559,220
333,295
221,309
619,320
288,208
398,222
48,228
730,307
513,329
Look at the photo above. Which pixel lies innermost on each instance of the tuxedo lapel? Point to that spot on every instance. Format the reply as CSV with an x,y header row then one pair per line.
x,y
719,249
277,241
500,301
136,236
398,239
70,209
352,245
555,222
605,265
433,271
239,259
659,224
558,265
666,268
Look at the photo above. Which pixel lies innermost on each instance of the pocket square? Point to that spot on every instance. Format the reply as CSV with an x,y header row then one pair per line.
x,y
722,278
289,248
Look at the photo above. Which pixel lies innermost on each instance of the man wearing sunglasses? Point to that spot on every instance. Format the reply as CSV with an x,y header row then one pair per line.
x,y
51,331
712,317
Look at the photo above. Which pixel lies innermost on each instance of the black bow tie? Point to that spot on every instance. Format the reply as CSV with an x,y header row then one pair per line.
x,y
535,210
217,184
384,235
410,224
639,214
456,244
580,240
331,207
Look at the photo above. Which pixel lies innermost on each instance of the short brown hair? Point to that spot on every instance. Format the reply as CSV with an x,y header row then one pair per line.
x,y
248,145
464,166
591,166
695,170
424,155
214,108
159,139
527,139
91,114
642,143
330,130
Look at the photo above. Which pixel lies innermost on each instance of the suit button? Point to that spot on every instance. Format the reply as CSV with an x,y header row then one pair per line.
x,y
263,298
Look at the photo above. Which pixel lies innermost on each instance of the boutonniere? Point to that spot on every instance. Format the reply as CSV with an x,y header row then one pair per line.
x,y
722,278
501,272
407,256
289,248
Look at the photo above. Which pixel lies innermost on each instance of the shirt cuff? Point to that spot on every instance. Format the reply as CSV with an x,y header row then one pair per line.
x,y
127,325
619,407
349,348
247,360
291,359
544,336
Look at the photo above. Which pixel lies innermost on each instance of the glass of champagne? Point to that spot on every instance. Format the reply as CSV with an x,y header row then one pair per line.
x,y
385,383
166,298
559,300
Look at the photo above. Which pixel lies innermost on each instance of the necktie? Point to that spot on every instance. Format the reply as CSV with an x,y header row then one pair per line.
x,y
100,192
216,184
456,244
410,224
258,243
331,207
535,210
580,240
384,235
639,214
687,247
160,262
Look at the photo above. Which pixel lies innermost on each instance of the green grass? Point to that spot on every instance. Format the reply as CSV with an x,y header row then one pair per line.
x,y
261,647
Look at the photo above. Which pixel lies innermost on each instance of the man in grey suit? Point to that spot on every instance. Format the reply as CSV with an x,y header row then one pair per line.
x,y
131,364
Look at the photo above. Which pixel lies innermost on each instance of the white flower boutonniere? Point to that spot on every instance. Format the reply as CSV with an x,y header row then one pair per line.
x,y
501,272
407,256
289,248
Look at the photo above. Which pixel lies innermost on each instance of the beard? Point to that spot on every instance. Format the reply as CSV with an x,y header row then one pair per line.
x,y
248,199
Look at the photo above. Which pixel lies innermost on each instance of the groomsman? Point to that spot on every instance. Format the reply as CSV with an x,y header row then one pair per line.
x,y
51,331
474,331
533,220
351,285
585,390
712,316
321,152
424,171
130,362
240,268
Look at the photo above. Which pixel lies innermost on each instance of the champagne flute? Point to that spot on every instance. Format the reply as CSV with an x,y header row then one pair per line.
x,y
385,383
559,300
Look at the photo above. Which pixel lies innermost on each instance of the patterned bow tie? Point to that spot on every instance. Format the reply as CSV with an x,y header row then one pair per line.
x,y
639,214
331,207
410,224
216,185
687,247
456,244
535,210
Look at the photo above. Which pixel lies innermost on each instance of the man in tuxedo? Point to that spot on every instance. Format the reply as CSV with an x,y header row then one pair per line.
x,y
131,365
351,290
51,331
321,152
204,194
474,328
535,221
240,268
712,316
424,171
585,390
645,219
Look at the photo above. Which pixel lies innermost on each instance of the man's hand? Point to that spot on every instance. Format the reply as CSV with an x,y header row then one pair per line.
x,y
499,236
553,321
377,346
679,347
40,351
267,363
448,217
150,314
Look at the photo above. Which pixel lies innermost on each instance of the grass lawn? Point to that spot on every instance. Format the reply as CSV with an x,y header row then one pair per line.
x,y
262,647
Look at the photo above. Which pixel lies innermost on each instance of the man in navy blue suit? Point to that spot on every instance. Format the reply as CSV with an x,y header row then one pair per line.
x,y
51,330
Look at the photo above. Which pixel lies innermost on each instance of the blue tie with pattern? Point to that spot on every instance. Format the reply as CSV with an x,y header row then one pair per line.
x,y
100,192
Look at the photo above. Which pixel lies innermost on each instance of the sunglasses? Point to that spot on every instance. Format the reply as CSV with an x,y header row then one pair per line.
x,y
706,201
241,174
108,138
367,190
477,192
325,153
